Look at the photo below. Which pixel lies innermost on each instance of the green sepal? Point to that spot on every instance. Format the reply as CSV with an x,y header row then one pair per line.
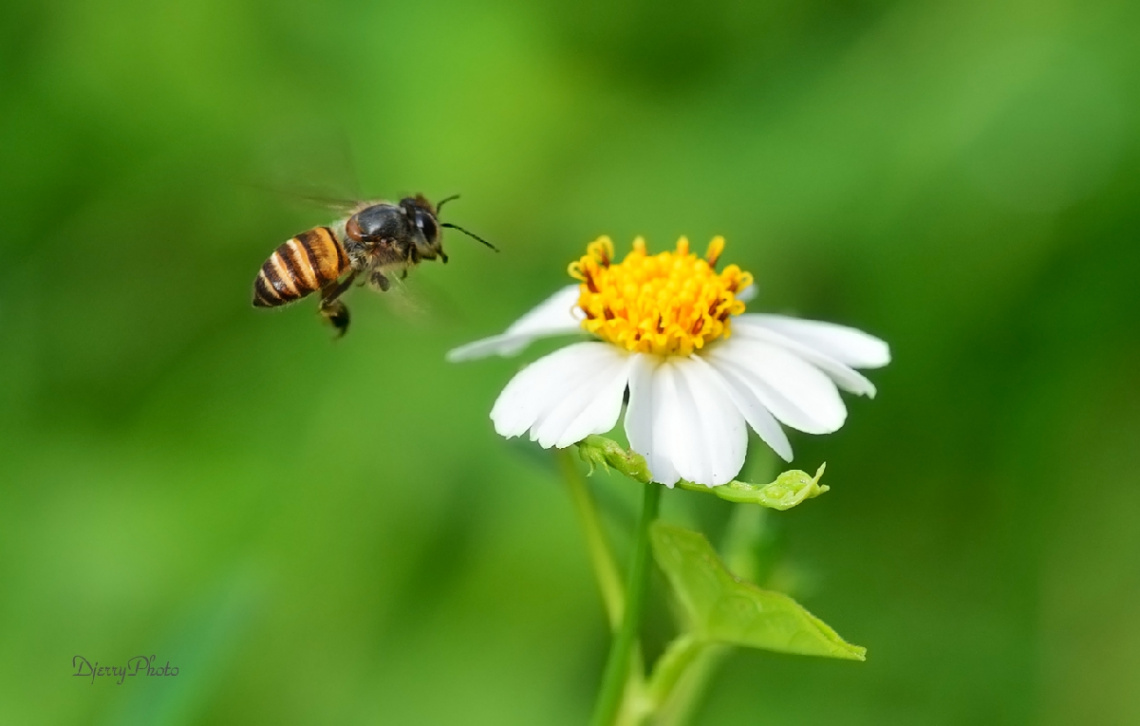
x,y
724,609
788,490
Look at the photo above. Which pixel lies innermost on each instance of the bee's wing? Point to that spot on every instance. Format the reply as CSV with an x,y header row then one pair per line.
x,y
390,282
335,204
346,207
312,163
313,197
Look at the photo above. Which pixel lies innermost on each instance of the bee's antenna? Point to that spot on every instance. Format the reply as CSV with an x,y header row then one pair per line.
x,y
445,201
469,234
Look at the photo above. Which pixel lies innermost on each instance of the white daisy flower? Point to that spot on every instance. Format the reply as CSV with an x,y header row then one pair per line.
x,y
672,331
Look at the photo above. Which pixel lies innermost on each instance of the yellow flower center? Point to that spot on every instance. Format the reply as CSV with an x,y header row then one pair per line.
x,y
671,303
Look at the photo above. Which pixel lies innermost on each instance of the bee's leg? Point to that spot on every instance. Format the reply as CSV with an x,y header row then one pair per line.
x,y
336,312
379,280
335,289
410,260
332,309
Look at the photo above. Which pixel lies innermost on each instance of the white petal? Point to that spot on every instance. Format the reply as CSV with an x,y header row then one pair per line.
x,y
709,437
559,311
589,406
846,345
847,377
754,412
747,293
683,422
650,400
796,392
557,315
540,387
665,416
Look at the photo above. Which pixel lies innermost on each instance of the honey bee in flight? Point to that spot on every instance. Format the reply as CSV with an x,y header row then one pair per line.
x,y
378,240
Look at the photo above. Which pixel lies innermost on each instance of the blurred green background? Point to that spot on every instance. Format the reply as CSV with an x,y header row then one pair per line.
x,y
332,533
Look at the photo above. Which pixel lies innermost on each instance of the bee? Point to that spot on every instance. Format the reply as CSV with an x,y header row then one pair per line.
x,y
377,241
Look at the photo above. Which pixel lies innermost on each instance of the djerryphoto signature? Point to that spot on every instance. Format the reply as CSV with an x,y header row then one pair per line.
x,y
139,665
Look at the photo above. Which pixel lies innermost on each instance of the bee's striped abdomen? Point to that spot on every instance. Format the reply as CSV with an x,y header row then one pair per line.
x,y
304,264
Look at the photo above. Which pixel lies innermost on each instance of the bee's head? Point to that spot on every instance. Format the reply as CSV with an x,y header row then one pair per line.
x,y
426,219
421,214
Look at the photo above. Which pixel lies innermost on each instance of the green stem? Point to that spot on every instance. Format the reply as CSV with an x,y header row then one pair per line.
x,y
601,556
675,662
685,694
617,665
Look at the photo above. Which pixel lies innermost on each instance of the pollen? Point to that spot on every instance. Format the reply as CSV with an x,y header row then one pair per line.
x,y
671,303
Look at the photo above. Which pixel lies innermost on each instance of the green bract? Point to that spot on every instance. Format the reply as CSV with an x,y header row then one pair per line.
x,y
600,451
788,490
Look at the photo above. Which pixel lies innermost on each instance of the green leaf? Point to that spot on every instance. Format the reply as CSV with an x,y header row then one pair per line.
x,y
725,609
748,548
789,489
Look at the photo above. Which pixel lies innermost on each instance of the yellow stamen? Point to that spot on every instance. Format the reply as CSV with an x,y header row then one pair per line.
x,y
671,303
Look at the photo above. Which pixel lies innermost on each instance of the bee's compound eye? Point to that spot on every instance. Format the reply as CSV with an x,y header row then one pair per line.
x,y
427,225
